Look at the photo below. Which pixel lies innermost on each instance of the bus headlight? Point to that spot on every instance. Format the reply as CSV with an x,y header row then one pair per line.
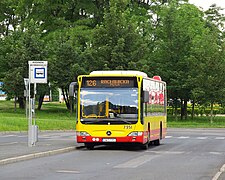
x,y
82,133
136,133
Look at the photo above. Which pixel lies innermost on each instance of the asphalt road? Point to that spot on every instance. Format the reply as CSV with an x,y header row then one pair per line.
x,y
185,154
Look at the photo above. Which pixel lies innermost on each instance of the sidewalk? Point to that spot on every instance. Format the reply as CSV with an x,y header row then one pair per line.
x,y
14,145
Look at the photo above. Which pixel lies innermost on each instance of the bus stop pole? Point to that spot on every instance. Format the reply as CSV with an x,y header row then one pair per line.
x,y
34,126
29,117
34,103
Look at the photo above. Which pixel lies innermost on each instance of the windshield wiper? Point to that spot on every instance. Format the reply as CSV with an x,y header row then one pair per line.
x,y
123,120
114,120
93,121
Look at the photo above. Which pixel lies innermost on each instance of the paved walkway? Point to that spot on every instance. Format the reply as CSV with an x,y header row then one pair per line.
x,y
14,145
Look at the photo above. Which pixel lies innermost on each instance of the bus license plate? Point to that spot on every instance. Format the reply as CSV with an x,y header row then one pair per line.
x,y
108,140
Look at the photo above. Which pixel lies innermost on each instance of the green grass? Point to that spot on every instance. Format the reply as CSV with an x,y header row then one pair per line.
x,y
197,122
53,116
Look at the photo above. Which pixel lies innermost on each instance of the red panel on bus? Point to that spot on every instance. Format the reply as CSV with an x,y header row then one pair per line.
x,y
127,139
157,78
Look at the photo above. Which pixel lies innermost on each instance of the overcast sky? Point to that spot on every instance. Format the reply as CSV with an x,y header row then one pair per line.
x,y
206,3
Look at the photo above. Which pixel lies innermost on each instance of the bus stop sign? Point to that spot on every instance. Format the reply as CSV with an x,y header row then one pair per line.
x,y
38,71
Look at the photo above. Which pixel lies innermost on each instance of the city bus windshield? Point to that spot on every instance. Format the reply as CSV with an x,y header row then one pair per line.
x,y
109,105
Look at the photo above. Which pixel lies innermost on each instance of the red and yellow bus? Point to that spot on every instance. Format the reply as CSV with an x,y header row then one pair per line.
x,y
120,107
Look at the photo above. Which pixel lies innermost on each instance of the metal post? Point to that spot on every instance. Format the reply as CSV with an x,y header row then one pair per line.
x,y
50,92
35,91
30,117
27,104
34,126
37,74
26,81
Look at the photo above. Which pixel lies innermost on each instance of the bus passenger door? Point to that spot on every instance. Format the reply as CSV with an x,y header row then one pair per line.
x,y
161,127
149,131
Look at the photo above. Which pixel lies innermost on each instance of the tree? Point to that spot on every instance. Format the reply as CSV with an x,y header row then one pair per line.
x,y
64,62
8,18
66,27
215,19
210,50
118,42
22,47
179,26
54,14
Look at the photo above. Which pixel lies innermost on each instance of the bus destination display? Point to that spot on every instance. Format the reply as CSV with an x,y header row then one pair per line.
x,y
109,82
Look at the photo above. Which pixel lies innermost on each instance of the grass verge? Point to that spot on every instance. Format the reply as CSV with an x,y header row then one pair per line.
x,y
197,122
53,116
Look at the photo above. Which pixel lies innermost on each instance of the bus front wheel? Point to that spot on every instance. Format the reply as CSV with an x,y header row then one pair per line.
x,y
89,146
144,146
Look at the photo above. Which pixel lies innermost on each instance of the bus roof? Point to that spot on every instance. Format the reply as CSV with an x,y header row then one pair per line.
x,y
116,72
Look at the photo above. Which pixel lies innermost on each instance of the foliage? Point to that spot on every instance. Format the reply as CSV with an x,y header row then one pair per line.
x,y
64,63
173,39
21,48
118,42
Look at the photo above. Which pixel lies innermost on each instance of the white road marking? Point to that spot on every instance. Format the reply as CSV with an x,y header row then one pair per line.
x,y
217,175
167,152
10,135
215,153
133,163
202,138
68,171
10,143
220,138
168,137
22,136
183,137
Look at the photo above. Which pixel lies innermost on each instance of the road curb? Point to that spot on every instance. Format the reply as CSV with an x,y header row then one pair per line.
x,y
221,171
36,155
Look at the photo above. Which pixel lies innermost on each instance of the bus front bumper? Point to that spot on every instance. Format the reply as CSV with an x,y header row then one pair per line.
x,y
102,140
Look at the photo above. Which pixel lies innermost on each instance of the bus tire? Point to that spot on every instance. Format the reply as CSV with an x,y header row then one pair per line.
x,y
157,142
89,146
144,146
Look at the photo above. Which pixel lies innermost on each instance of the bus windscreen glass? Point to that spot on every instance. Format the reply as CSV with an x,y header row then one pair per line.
x,y
102,104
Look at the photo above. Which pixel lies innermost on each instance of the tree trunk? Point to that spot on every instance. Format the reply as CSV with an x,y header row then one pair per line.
x,y
182,110
40,101
21,102
65,96
185,109
193,110
211,112
15,104
175,100
71,105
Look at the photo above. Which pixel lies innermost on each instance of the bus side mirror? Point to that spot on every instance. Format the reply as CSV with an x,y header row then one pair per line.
x,y
72,88
145,96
